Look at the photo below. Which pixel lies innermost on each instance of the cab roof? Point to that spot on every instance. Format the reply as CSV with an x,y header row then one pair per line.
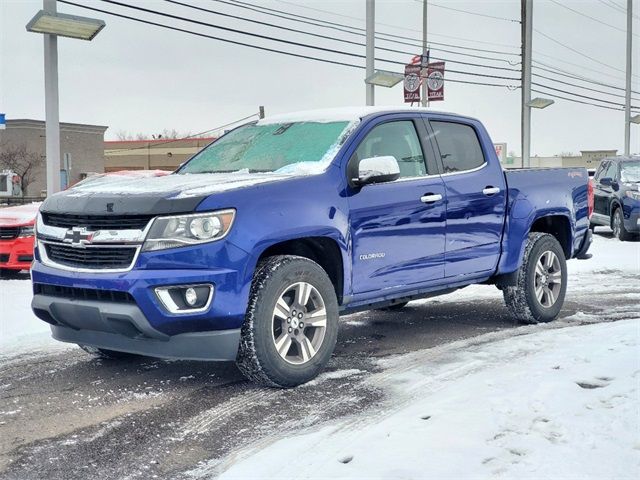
x,y
345,114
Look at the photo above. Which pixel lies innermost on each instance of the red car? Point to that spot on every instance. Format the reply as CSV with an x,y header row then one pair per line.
x,y
16,237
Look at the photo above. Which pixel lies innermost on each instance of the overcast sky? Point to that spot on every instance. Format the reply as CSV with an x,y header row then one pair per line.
x,y
140,78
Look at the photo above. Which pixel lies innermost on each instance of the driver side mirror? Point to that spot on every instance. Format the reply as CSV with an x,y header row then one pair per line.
x,y
377,170
606,181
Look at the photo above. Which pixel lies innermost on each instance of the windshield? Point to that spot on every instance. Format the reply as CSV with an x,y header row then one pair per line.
x,y
630,172
305,147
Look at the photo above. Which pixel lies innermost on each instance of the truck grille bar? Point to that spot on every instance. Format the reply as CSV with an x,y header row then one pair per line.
x,y
93,257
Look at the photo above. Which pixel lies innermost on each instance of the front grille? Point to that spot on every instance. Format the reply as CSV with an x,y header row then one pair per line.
x,y
9,233
25,258
97,222
4,257
82,293
91,257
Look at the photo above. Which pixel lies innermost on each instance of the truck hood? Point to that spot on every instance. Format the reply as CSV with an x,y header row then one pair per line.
x,y
163,194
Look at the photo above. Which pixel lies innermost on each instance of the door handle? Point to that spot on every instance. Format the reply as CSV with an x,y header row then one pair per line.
x,y
488,191
431,198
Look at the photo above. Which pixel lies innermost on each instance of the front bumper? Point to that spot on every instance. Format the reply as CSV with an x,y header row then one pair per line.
x,y
124,328
159,269
16,254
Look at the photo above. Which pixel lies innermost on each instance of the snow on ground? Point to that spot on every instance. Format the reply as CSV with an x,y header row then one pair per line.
x,y
533,403
552,404
20,330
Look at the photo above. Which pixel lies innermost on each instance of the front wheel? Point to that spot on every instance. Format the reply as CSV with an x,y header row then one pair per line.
x,y
291,324
617,225
541,284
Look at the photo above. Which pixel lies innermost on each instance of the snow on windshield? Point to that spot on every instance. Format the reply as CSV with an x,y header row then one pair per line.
x,y
630,172
286,148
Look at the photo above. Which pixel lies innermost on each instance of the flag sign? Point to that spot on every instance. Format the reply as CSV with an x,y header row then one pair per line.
x,y
412,83
3,122
435,81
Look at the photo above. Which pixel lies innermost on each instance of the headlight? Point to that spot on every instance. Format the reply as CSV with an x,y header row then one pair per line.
x,y
633,194
27,231
185,230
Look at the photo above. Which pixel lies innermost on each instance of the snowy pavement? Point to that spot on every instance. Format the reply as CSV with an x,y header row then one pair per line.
x,y
457,359
545,405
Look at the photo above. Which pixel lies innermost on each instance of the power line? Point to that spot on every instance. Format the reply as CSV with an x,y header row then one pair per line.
x,y
195,135
560,97
577,51
148,22
341,27
559,71
234,42
291,42
599,71
477,14
579,95
577,12
580,86
617,7
326,37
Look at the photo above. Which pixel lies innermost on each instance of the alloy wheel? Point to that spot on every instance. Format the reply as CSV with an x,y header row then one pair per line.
x,y
548,279
299,323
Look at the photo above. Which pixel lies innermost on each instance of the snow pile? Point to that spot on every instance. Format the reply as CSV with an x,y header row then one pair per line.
x,y
553,404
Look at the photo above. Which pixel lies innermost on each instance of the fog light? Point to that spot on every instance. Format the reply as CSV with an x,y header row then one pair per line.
x,y
185,298
190,296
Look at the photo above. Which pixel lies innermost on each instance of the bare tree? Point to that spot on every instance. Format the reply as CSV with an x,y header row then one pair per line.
x,y
20,160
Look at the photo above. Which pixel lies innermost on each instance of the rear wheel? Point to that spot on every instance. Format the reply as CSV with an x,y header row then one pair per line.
x,y
291,324
541,285
105,353
617,225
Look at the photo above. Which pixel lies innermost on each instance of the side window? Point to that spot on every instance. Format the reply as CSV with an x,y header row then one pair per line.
x,y
398,139
459,146
610,171
601,169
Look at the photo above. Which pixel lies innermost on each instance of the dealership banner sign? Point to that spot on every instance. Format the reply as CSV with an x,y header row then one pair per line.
x,y
412,83
435,81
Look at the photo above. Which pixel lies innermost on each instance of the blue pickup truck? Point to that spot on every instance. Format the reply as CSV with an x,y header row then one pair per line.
x,y
252,249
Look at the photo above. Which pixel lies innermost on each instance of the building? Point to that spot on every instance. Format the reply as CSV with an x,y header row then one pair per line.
x,y
162,154
589,159
81,151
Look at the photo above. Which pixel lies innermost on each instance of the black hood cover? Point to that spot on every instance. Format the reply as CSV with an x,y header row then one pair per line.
x,y
136,194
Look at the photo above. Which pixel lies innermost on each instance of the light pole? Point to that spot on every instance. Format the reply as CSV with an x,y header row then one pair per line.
x,y
627,97
527,36
53,24
370,48
425,90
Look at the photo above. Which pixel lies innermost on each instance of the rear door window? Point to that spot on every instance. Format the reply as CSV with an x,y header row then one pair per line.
x,y
459,146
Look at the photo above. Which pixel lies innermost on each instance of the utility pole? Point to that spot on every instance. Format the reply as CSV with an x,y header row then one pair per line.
x,y
370,49
627,96
424,93
52,112
527,36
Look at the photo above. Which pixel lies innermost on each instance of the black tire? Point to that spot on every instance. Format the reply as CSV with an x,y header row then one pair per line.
x,y
521,299
258,358
105,353
393,308
617,225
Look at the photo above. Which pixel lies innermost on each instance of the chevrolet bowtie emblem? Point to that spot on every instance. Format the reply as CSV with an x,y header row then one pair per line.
x,y
78,237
